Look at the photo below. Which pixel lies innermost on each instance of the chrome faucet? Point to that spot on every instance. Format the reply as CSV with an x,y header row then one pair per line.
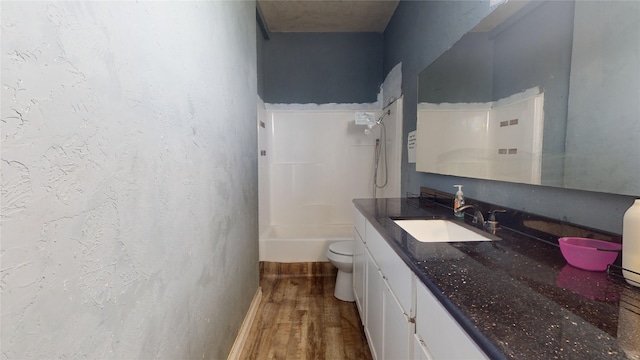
x,y
490,225
477,214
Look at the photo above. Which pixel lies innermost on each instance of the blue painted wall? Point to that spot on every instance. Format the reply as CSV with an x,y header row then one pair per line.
x,y
463,73
421,31
322,68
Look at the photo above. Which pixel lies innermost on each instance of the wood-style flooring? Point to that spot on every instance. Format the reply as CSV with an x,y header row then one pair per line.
x,y
299,318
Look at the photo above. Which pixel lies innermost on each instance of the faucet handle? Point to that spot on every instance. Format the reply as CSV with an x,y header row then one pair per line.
x,y
492,224
492,213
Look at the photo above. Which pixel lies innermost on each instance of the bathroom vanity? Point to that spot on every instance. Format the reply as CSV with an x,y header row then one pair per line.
x,y
515,297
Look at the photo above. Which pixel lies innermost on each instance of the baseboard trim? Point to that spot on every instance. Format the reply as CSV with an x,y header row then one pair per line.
x,y
245,328
276,269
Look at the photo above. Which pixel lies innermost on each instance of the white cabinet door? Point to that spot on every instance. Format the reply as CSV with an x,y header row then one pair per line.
x,y
359,279
420,351
398,331
359,222
442,336
374,309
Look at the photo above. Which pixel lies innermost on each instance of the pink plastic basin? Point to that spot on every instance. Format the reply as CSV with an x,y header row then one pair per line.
x,y
589,254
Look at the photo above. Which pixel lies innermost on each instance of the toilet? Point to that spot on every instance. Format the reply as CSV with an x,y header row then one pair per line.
x,y
340,254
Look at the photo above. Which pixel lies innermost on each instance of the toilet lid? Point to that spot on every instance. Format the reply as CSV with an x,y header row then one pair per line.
x,y
342,248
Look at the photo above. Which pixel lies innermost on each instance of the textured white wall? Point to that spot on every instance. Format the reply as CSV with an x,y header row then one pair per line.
x,y
129,178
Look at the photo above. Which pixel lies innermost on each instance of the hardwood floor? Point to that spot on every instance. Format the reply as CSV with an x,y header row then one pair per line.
x,y
299,318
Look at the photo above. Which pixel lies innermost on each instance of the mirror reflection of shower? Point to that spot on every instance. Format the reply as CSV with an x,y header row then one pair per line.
x,y
380,172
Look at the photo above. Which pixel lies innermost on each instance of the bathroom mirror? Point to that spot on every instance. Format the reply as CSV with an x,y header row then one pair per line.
x,y
582,58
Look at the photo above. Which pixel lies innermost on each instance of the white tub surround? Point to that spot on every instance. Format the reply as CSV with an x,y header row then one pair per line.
x,y
301,243
314,163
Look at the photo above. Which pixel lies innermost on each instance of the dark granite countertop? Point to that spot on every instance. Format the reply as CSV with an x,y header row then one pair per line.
x,y
517,297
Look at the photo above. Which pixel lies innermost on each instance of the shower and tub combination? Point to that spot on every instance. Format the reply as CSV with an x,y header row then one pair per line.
x,y
313,163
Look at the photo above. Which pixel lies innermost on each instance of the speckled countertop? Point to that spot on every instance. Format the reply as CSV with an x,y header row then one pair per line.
x,y
517,297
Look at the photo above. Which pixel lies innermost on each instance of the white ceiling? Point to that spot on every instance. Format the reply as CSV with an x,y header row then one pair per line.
x,y
327,15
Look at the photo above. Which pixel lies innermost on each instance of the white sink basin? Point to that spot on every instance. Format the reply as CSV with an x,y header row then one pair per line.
x,y
439,231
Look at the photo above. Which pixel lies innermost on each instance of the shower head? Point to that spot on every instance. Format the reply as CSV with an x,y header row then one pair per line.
x,y
379,121
367,118
370,126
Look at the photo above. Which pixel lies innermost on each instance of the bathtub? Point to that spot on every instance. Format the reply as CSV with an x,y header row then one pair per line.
x,y
301,243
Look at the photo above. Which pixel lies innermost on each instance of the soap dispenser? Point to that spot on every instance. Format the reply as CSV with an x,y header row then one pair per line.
x,y
458,201
631,244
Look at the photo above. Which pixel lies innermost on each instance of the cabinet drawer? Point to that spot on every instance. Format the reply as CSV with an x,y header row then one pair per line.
x,y
395,271
440,332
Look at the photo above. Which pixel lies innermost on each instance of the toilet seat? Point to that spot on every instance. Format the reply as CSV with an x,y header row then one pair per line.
x,y
340,254
342,248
